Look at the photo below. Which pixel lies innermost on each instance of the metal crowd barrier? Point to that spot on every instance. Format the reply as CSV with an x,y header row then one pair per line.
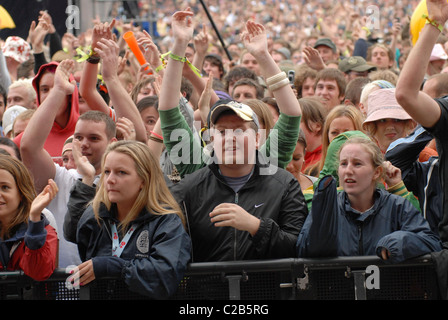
x,y
342,278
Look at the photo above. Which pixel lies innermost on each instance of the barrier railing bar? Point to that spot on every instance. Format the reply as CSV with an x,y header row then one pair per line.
x,y
360,285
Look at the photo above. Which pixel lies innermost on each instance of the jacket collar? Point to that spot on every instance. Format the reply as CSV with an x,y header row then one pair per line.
x,y
356,215
111,215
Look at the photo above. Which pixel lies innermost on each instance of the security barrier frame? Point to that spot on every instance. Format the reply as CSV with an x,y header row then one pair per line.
x,y
341,278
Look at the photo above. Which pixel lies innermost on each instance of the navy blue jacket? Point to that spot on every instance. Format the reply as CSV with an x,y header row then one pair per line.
x,y
421,178
333,228
153,261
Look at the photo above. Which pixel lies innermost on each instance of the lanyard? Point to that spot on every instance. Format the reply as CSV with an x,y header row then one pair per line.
x,y
117,246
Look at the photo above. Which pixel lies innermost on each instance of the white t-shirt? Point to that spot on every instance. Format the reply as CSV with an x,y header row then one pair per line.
x,y
65,179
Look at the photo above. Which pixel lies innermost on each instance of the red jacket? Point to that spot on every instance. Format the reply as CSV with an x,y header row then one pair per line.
x,y
34,250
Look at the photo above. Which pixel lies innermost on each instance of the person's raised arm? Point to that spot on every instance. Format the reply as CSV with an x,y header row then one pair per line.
x,y
36,36
121,100
255,41
199,84
182,26
34,156
201,44
89,78
421,107
150,52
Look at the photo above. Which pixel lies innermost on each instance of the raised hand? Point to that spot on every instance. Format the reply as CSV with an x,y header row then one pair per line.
x,y
255,38
313,59
392,174
42,200
84,167
149,49
46,16
205,98
182,25
37,33
201,41
126,128
108,50
62,76
437,10
122,62
100,31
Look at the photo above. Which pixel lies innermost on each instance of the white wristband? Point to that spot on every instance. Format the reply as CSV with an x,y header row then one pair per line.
x,y
276,78
279,84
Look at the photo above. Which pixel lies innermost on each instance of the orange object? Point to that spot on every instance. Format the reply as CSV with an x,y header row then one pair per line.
x,y
132,43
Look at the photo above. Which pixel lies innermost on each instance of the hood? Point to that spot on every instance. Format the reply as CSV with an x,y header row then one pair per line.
x,y
52,67
74,98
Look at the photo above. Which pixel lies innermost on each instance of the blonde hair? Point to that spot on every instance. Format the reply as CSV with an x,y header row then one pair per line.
x,y
371,127
371,148
263,113
25,83
339,111
154,195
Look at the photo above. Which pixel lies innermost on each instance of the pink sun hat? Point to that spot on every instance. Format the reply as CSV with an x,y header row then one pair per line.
x,y
16,48
438,53
382,104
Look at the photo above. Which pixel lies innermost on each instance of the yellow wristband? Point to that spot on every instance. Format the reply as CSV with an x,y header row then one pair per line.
x,y
433,23
367,30
181,59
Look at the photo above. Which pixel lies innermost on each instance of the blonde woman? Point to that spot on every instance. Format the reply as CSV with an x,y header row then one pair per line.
x,y
340,119
364,219
134,229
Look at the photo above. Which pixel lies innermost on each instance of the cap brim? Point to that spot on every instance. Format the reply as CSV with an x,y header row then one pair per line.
x,y
391,114
362,68
216,112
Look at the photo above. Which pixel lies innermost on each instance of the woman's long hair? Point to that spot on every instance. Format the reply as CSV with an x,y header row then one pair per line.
x,y
154,195
339,111
25,186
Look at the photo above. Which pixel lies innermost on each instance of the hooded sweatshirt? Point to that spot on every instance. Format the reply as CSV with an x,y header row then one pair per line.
x,y
57,136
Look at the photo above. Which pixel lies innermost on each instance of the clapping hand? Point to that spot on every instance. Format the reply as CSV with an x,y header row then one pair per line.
x,y
42,200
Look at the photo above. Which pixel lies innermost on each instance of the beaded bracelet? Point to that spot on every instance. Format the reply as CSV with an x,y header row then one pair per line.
x,y
433,23
279,84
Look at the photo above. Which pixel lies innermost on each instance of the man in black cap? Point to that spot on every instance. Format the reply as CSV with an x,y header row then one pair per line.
x,y
327,49
355,67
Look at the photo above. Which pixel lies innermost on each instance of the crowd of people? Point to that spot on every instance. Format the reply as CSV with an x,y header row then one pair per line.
x,y
309,130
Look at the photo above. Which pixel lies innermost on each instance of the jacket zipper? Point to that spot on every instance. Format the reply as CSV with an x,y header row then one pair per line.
x,y
235,232
360,246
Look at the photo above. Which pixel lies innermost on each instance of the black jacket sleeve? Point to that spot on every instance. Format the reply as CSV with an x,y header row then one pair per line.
x,y
80,196
277,238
